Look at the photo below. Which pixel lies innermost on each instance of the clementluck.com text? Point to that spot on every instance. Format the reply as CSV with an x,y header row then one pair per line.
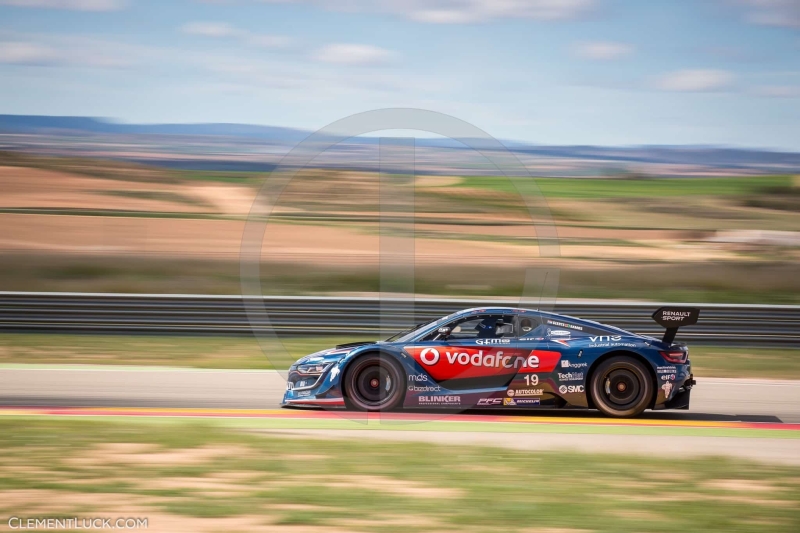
x,y
22,523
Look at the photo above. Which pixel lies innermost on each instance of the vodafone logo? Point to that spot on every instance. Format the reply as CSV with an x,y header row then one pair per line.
x,y
459,362
429,356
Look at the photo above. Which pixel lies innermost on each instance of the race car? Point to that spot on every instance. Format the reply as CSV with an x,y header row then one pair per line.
x,y
504,358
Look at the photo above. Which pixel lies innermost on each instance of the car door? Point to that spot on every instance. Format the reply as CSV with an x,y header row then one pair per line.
x,y
478,351
534,384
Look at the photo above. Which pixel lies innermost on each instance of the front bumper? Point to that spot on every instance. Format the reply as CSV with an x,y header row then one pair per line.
x,y
313,391
328,403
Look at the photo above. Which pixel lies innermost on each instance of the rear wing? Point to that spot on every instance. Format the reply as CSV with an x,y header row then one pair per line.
x,y
673,318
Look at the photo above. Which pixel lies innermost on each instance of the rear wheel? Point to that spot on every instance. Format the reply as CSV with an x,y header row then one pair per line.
x,y
374,382
621,387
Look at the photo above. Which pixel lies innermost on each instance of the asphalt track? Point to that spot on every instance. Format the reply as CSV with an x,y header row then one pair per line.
x,y
753,419
713,399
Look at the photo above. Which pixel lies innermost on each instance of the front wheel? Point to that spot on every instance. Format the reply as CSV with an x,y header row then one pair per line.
x,y
621,387
374,382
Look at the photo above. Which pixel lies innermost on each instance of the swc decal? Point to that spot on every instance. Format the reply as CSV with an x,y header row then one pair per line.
x,y
446,362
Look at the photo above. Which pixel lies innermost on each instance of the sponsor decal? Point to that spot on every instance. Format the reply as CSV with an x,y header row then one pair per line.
x,y
335,372
429,356
425,388
668,377
674,315
493,341
564,325
608,341
486,402
527,401
445,362
667,370
570,376
509,401
569,389
558,332
667,387
526,392
606,338
510,393
303,393
440,400
563,342
570,364
417,377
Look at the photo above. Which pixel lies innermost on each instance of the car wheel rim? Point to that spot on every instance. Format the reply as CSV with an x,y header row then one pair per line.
x,y
374,385
622,388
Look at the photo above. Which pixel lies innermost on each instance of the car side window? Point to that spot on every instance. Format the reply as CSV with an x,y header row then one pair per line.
x,y
530,326
488,326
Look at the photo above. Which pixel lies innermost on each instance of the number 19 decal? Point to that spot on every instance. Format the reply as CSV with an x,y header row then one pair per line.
x,y
531,380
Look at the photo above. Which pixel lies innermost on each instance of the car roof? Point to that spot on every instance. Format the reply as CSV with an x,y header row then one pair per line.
x,y
538,312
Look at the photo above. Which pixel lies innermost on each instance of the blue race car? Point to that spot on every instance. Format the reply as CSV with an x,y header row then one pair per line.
x,y
503,358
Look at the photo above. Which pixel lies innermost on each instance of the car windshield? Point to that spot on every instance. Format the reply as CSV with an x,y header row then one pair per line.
x,y
406,333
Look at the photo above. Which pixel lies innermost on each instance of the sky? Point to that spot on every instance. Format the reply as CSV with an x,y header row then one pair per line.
x,y
566,72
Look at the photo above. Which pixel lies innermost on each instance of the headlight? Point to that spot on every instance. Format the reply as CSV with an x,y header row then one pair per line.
x,y
313,369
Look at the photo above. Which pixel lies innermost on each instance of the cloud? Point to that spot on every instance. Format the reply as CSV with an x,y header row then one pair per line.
x,y
209,29
785,13
354,54
77,54
457,11
21,53
698,80
73,5
603,50
268,41
472,11
222,30
779,91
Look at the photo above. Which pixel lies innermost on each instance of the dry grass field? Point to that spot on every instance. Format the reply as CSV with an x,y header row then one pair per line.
x,y
202,477
96,225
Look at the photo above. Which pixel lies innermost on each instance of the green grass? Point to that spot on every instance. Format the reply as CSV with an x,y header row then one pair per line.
x,y
245,353
246,480
134,350
773,363
745,281
629,188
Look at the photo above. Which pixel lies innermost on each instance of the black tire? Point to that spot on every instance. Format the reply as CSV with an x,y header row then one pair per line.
x,y
374,382
621,387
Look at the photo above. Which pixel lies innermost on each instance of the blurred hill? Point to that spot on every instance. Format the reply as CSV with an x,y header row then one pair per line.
x,y
243,147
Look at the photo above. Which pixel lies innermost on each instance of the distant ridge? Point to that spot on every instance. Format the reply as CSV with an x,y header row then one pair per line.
x,y
44,123
706,156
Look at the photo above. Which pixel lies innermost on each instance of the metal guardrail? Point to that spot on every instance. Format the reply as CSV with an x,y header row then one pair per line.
x,y
739,325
